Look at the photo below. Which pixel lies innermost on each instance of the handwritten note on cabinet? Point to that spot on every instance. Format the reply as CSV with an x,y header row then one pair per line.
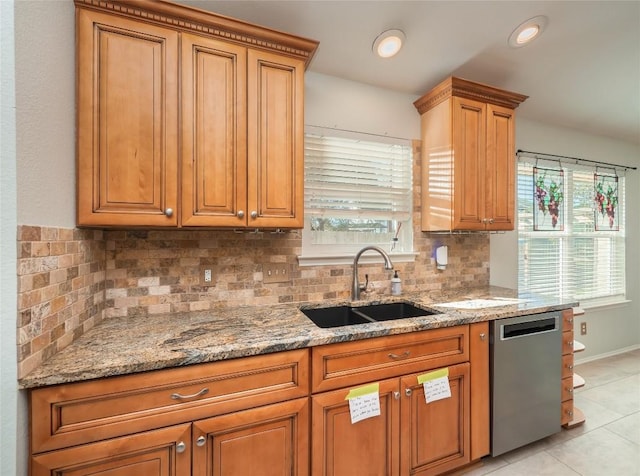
x,y
436,385
364,402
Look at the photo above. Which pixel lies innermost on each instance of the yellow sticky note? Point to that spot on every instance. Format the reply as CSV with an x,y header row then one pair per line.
x,y
433,375
365,390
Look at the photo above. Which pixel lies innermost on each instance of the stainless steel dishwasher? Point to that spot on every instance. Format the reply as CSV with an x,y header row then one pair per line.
x,y
526,366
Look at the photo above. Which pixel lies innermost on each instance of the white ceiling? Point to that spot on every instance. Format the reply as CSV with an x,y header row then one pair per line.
x,y
582,73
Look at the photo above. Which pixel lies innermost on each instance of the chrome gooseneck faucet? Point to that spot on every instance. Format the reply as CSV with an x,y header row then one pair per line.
x,y
355,285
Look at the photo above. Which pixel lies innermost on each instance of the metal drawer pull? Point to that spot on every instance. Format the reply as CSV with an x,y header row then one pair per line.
x,y
177,396
180,447
482,336
404,355
408,392
396,395
201,441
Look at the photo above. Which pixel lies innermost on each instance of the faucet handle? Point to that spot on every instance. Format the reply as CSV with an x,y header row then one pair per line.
x,y
363,287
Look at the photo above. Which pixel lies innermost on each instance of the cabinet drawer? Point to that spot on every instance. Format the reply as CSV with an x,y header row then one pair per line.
x,y
352,363
567,389
567,411
567,365
66,415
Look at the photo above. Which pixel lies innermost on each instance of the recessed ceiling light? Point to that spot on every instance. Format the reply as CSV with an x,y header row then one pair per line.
x,y
388,43
527,31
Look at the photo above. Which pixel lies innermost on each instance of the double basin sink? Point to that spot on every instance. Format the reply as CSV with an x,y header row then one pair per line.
x,y
346,316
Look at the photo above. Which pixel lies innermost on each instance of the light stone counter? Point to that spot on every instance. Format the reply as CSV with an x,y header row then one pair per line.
x,y
120,346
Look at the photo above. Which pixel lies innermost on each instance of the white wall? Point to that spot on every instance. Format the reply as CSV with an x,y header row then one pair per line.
x,y
8,285
342,104
45,100
608,329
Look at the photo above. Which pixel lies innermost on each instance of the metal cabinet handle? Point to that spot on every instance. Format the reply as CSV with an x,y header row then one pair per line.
x,y
396,395
201,441
168,212
483,336
180,447
254,214
240,214
408,392
570,367
491,220
177,396
404,355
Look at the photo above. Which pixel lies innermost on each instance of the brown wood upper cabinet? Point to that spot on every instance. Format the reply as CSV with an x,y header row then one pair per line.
x,y
468,156
187,118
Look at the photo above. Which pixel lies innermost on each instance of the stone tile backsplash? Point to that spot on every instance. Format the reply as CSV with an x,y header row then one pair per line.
x,y
69,279
61,278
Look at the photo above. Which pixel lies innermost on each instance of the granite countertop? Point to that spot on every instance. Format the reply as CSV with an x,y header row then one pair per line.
x,y
120,346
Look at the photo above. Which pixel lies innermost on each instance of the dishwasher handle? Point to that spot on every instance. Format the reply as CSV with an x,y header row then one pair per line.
x,y
528,328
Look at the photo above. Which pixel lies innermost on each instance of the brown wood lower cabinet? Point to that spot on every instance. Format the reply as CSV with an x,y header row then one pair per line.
x,y
409,437
280,414
247,416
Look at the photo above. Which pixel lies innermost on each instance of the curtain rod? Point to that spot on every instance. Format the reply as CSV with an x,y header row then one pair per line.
x,y
577,159
386,136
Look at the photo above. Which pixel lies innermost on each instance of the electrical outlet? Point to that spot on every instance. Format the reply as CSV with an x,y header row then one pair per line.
x,y
275,273
583,328
206,276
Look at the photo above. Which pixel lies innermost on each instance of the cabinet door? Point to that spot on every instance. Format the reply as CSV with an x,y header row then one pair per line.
x,y
469,134
164,452
500,168
275,140
266,441
214,167
435,436
368,447
127,121
481,397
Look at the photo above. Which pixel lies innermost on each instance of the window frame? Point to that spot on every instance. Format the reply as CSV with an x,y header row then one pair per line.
x,y
333,254
568,248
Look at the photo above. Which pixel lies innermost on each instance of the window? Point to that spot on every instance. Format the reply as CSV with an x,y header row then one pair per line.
x,y
577,263
358,192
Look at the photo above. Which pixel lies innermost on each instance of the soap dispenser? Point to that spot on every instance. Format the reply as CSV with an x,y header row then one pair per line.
x,y
396,285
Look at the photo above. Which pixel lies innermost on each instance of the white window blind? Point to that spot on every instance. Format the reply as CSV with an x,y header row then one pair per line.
x,y
358,190
577,263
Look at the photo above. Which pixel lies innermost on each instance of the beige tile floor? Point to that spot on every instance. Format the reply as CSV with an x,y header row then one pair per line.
x,y
607,444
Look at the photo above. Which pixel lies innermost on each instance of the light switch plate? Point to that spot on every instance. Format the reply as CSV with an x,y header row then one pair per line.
x,y
206,276
275,273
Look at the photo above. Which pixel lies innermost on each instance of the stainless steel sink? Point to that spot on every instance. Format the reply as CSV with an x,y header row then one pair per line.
x,y
346,316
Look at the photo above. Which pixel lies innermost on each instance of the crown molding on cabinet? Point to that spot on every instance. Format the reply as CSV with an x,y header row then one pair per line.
x,y
199,21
